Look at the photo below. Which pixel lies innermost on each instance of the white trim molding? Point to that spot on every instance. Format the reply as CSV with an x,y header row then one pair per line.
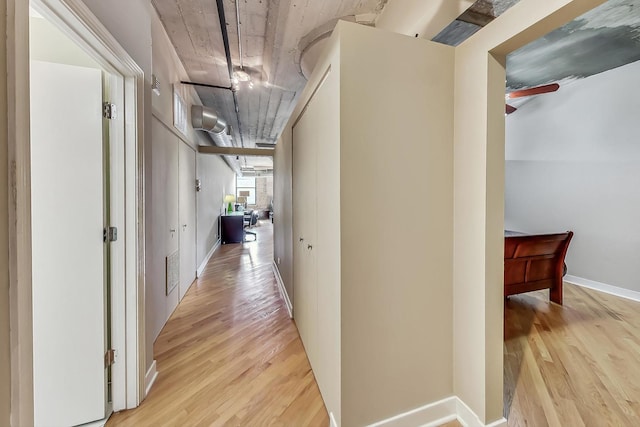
x,y
603,287
437,413
150,378
431,415
19,153
468,418
283,290
332,420
75,19
204,263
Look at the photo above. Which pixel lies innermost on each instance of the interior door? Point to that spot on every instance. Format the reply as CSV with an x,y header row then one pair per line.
x,y
187,203
68,249
304,181
299,193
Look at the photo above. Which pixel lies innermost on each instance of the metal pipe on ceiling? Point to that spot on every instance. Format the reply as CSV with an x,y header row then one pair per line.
x,y
239,34
227,51
184,82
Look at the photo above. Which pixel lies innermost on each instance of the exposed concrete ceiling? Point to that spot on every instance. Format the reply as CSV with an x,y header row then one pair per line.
x,y
604,38
472,20
270,32
279,39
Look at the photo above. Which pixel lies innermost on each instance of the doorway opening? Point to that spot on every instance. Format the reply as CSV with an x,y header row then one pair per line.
x,y
571,162
70,223
77,221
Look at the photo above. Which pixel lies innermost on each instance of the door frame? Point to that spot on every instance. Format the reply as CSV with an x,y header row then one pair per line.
x,y
78,23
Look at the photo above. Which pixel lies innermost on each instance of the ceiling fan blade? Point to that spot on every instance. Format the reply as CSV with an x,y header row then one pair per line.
x,y
534,91
510,109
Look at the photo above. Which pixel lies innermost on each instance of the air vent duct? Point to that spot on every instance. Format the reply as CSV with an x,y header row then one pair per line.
x,y
205,118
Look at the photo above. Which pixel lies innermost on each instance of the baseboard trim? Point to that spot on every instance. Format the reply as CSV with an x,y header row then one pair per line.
x,y
431,415
332,420
150,378
208,257
437,413
468,418
283,290
603,287
99,423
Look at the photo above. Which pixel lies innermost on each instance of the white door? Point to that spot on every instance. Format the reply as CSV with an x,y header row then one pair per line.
x,y
68,249
304,214
187,214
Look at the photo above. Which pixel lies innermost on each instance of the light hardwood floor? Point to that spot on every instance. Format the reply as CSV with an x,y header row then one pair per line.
x,y
451,424
572,365
229,355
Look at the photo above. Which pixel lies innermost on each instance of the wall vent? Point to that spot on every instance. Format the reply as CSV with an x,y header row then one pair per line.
x,y
172,271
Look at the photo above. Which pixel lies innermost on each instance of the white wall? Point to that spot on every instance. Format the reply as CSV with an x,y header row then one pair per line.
x,y
282,210
573,163
162,190
141,33
129,21
217,179
54,46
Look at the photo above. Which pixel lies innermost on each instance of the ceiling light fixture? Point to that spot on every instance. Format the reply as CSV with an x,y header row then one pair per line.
x,y
241,76
238,24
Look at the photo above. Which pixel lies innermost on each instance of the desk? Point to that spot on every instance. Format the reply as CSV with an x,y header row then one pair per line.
x,y
232,226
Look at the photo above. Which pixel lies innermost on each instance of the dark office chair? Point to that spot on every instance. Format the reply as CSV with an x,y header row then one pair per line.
x,y
248,221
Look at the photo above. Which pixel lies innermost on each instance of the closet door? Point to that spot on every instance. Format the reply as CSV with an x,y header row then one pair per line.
x,y
304,300
326,245
298,227
309,247
187,214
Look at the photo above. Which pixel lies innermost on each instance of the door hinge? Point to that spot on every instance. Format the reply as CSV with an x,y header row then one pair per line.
x,y
109,358
110,234
109,110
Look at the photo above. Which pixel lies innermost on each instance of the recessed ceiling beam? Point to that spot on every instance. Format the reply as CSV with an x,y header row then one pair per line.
x,y
235,151
476,18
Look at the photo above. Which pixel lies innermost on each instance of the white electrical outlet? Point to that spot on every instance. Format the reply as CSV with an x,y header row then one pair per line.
x,y
278,260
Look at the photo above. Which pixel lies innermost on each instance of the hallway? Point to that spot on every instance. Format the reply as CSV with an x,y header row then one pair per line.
x,y
229,355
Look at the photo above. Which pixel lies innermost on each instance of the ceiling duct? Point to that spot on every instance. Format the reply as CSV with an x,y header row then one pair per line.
x,y
205,118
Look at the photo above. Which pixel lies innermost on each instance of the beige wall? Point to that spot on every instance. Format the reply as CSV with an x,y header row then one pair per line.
x,y
5,365
479,195
282,210
394,270
397,127
133,31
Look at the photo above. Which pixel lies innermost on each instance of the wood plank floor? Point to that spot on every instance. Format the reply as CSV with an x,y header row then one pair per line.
x,y
572,365
451,424
229,355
